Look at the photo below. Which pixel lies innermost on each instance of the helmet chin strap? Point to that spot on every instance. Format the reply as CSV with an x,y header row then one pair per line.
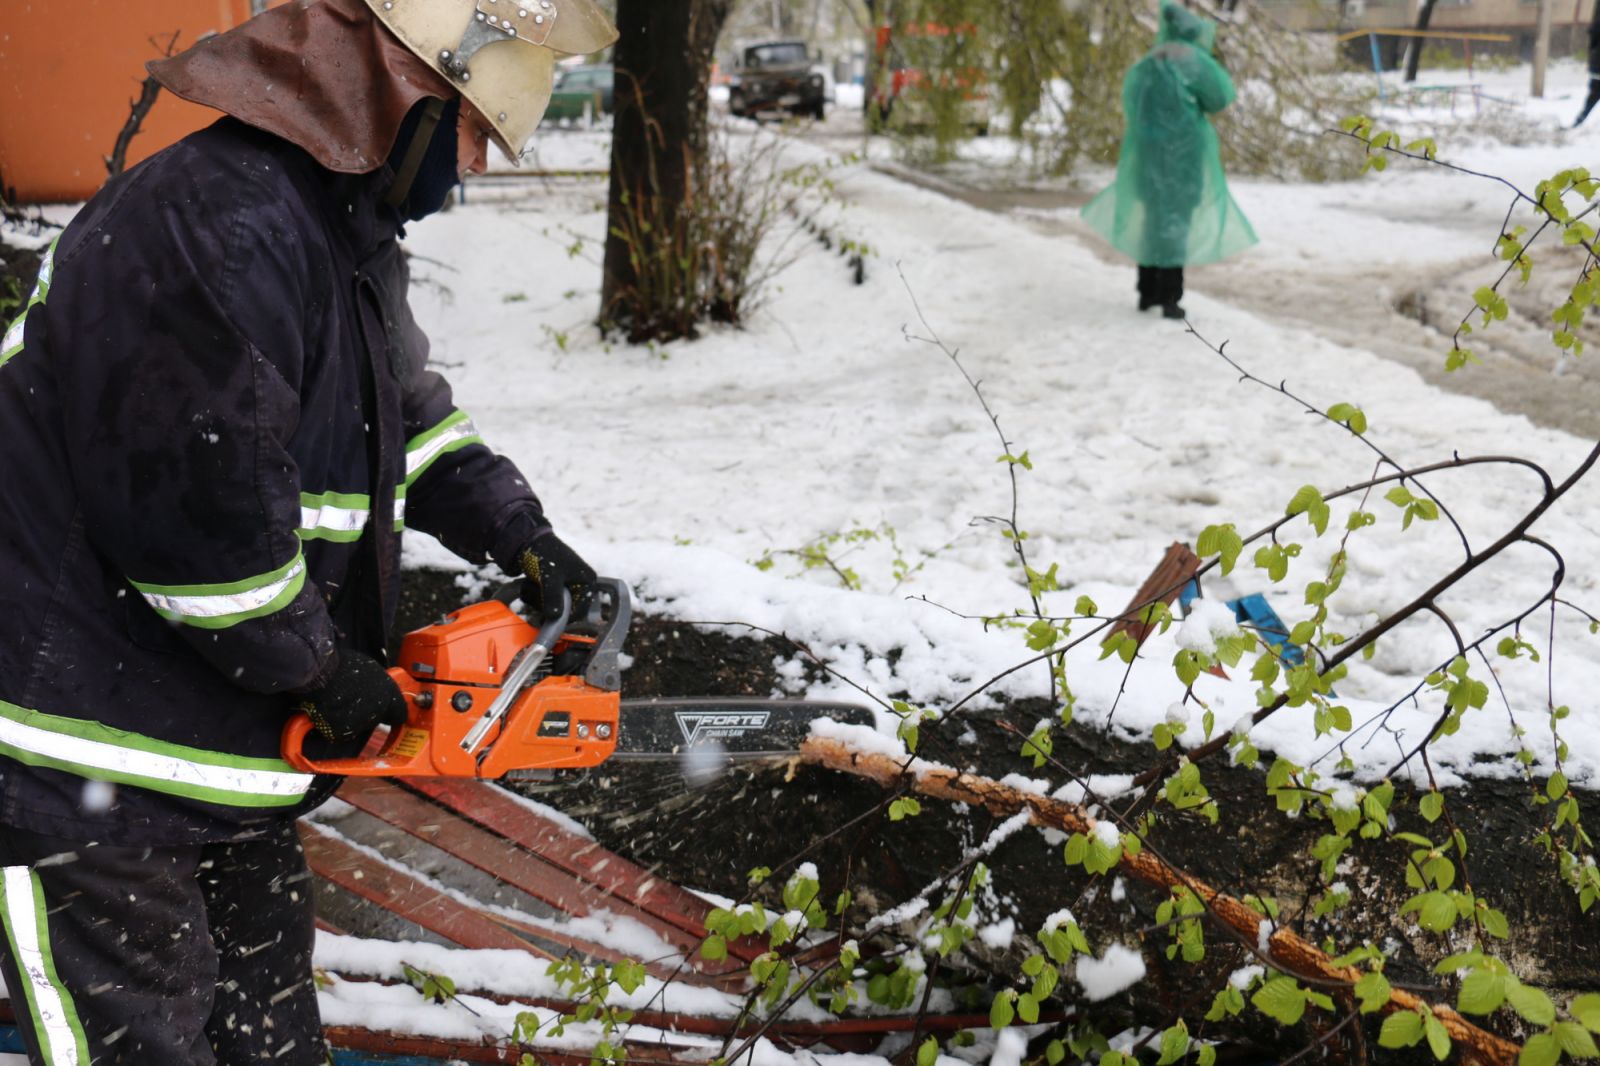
x,y
407,173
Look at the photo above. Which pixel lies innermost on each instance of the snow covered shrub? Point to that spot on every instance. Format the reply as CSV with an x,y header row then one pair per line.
x,y
708,259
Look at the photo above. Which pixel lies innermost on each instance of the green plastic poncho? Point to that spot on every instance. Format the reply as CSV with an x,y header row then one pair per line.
x,y
1170,205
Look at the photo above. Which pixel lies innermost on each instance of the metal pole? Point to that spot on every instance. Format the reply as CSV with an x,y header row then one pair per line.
x,y
1541,47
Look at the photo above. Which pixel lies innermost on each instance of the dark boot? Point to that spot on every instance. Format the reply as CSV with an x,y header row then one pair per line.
x,y
1588,104
1172,310
1149,294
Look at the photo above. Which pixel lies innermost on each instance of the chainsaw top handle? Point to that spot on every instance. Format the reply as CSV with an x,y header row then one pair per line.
x,y
609,616
602,670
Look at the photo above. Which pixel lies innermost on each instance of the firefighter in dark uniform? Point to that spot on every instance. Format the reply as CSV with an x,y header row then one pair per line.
x,y
219,418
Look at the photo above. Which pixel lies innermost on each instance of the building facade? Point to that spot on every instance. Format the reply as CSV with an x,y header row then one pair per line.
x,y
1517,19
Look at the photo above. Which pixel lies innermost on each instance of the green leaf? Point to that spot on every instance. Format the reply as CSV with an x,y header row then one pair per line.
x,y
1432,805
1529,1002
1401,1029
1001,1011
1438,1039
1482,992
928,1052
715,947
1540,1050
1101,857
1282,999
1027,1008
1556,787
1350,415
1424,145
1574,1040
1220,540
904,807
1438,912
1373,991
1586,1009
1304,499
1174,1045
1457,963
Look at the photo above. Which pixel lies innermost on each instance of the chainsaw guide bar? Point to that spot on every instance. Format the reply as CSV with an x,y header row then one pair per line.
x,y
735,728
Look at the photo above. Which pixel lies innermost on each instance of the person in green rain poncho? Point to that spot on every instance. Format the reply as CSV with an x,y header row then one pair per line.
x,y
1169,207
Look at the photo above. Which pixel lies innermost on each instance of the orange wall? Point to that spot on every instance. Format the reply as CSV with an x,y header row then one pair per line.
x,y
69,73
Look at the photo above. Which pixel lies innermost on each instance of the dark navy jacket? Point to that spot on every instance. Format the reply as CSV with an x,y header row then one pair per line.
x,y
217,419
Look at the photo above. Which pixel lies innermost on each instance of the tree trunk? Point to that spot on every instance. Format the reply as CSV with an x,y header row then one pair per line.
x,y
1541,46
1414,56
663,68
869,75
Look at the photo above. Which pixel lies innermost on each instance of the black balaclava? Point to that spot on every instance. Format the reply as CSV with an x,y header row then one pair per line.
x,y
438,172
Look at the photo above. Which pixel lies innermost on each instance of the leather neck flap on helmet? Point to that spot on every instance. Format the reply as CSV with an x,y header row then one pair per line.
x,y
323,74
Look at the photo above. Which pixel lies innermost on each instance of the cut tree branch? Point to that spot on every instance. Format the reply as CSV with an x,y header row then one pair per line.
x,y
1293,954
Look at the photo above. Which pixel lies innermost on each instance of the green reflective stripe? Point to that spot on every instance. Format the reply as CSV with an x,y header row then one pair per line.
x,y
47,270
335,516
101,753
53,1016
11,342
225,605
400,508
456,431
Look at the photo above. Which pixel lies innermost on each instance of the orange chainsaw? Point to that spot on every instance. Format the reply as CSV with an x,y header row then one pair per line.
x,y
489,694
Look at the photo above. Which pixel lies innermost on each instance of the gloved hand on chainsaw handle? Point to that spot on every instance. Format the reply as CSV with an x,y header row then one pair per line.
x,y
358,698
548,566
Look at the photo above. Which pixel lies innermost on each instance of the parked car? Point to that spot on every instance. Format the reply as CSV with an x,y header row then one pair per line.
x,y
582,94
777,76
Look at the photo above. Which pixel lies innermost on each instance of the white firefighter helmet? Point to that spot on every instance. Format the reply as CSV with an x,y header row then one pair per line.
x,y
501,54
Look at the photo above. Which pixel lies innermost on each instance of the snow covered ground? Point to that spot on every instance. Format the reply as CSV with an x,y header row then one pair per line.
x,y
677,468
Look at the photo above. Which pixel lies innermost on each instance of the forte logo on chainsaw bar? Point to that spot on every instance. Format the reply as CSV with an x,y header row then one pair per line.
x,y
700,726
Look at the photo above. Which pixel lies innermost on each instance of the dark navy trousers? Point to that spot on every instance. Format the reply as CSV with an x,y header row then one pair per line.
x,y
187,956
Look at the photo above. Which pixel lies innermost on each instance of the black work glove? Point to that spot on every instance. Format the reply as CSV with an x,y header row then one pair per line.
x,y
548,566
356,700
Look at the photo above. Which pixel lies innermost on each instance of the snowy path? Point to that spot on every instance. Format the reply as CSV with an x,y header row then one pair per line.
x,y
1382,264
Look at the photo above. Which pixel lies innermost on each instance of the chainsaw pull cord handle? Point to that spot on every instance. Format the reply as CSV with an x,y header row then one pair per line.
x,y
520,675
